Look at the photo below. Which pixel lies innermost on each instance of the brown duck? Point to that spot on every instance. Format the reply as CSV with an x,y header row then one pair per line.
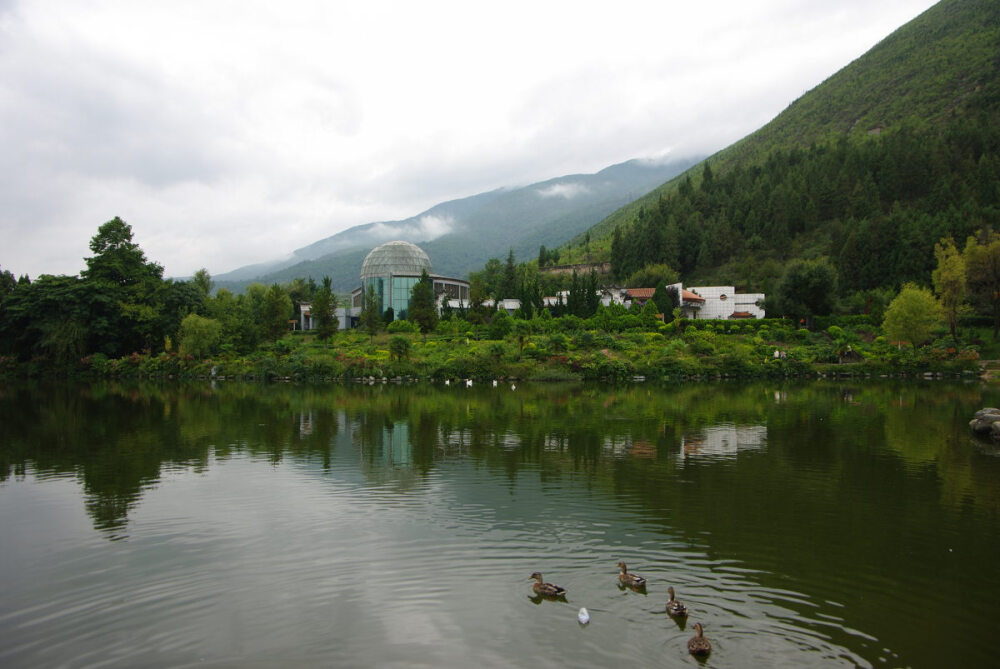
x,y
698,645
674,607
546,589
631,580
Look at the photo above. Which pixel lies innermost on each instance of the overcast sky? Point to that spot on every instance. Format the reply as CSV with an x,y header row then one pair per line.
x,y
228,133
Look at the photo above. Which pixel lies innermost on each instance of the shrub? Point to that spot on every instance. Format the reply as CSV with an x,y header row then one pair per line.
x,y
399,347
500,326
701,342
402,325
557,342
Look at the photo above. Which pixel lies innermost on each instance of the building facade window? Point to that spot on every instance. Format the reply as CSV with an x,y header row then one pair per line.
x,y
402,288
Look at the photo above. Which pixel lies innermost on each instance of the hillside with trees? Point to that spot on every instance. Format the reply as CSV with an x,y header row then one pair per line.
x,y
867,172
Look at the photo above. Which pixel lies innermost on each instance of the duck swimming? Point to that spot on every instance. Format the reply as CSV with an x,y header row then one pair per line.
x,y
674,607
546,589
631,580
698,645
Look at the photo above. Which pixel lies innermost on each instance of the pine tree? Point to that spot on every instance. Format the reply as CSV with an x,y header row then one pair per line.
x,y
324,310
423,307
508,279
370,319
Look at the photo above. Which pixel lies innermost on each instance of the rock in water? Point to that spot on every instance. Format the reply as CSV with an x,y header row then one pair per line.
x,y
983,422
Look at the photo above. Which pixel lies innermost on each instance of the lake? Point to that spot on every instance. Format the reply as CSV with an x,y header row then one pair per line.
x,y
819,524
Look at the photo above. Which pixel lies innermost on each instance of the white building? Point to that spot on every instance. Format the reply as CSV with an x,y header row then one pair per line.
x,y
725,302
696,301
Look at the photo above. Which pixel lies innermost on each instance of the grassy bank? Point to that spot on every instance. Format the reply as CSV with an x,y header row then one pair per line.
x,y
770,348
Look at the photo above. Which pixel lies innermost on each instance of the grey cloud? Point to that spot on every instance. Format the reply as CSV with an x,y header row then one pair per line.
x,y
73,111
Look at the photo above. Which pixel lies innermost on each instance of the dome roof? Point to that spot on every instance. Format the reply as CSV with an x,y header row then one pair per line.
x,y
395,258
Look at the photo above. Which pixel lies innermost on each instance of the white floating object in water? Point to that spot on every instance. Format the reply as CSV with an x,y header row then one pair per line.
x,y
583,616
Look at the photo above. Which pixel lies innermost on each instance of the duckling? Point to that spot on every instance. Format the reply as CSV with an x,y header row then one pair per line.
x,y
631,580
546,589
698,645
674,607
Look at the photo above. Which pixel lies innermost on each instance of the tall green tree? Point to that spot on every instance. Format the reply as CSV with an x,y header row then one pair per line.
x,y
117,259
7,284
199,335
664,302
912,316
423,305
649,317
370,319
236,314
950,282
120,266
982,271
807,289
324,308
275,312
203,280
508,279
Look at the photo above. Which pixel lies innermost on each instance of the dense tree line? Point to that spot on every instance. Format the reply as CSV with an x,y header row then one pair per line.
x,y
121,304
875,207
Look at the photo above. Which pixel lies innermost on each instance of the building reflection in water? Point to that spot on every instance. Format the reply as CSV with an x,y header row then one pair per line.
x,y
397,451
305,423
726,440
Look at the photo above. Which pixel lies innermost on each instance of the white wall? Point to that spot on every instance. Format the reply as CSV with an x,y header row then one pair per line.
x,y
722,301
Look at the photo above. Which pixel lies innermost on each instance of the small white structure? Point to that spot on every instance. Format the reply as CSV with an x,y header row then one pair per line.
x,y
510,305
305,316
725,302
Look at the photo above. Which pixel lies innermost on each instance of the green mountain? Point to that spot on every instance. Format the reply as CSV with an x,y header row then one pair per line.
x,y
869,169
461,235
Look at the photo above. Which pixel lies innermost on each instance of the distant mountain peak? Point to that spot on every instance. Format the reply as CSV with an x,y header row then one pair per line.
x,y
461,234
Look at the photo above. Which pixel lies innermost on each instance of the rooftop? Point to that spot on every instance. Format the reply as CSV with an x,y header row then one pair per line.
x,y
398,257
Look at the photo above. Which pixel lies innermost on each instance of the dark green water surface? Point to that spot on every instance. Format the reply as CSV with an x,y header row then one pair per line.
x,y
805,525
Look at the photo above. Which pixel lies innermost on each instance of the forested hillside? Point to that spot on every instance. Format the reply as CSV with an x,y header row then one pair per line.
x,y
875,207
868,170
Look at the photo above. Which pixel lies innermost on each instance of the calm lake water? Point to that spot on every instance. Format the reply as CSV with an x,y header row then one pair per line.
x,y
805,525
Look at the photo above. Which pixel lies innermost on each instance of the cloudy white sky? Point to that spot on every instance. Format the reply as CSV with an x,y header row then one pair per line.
x,y
228,133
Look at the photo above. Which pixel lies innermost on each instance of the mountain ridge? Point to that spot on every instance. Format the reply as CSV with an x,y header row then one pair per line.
x,y
904,77
461,234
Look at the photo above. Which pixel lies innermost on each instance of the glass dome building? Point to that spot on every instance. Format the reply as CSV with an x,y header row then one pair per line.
x,y
395,258
392,270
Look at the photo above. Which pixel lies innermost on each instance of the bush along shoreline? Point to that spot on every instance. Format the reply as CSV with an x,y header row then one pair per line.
x,y
556,350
